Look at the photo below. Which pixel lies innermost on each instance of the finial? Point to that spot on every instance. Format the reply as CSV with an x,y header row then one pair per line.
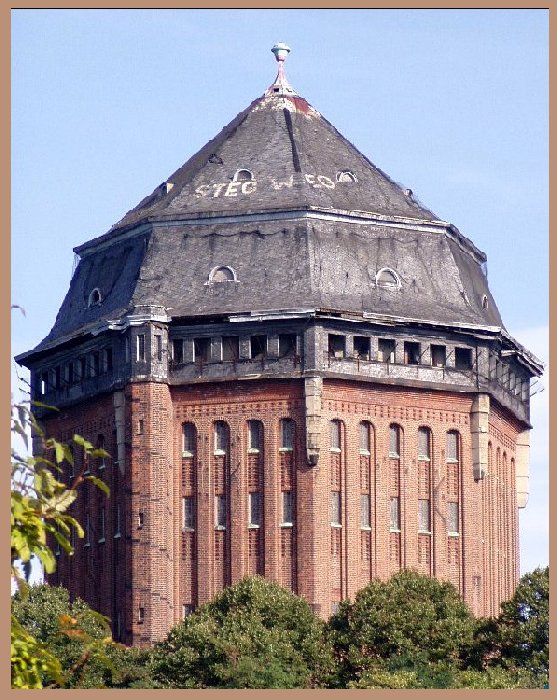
x,y
281,85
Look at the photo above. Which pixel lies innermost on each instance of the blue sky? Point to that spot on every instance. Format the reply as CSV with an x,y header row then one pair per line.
x,y
451,103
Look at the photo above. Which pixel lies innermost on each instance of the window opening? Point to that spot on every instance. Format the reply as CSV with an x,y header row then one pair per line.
x,y
394,441
258,347
178,351
394,514
365,518
222,274
287,508
337,345
335,508
362,347
187,609
424,517
335,435
411,353
188,440
254,435
364,438
243,175
188,514
438,355
230,348
95,297
463,358
346,176
424,445
286,434
386,350
287,344
452,446
452,518
220,511
221,436
107,360
140,347
254,508
158,347
201,349
387,278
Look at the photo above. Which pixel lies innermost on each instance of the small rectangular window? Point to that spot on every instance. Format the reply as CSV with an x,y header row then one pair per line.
x,y
463,358
158,347
141,615
140,426
452,447
287,344
394,441
107,360
287,508
258,347
411,353
335,508
337,346
423,443
365,518
438,355
188,440
81,363
335,435
44,383
394,513
71,377
201,350
220,511
140,347
127,348
57,378
286,434
452,518
187,609
178,351
254,509
230,348
254,435
188,514
362,347
424,524
386,350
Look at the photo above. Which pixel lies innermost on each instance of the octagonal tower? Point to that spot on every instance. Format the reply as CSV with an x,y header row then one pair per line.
x,y
299,371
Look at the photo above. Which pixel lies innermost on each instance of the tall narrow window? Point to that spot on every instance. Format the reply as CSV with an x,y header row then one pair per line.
x,y
258,347
411,353
254,435
365,445
201,349
117,524
394,441
220,511
365,518
361,347
286,434
452,518
424,518
287,508
254,508
178,351
452,446
287,344
463,358
140,347
188,514
438,355
230,348
188,440
221,437
424,443
394,519
335,508
158,347
335,435
102,525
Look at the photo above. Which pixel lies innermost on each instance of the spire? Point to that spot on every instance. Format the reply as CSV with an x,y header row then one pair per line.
x,y
281,86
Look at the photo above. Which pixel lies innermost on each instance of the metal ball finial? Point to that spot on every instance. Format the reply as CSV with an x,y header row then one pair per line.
x,y
281,51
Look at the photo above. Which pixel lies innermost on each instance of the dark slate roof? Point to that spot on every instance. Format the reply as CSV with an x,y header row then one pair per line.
x,y
296,158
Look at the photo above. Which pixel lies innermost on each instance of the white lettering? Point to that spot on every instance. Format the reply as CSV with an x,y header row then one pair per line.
x,y
202,190
310,179
326,182
231,189
277,185
217,188
249,186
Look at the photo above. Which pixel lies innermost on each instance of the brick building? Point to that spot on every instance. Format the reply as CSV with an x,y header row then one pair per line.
x,y
298,371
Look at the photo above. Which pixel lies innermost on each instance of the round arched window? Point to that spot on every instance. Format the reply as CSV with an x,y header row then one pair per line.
x,y
222,274
387,278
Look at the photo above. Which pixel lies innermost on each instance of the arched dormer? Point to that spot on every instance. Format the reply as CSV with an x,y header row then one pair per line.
x,y
387,278
222,273
95,297
243,175
346,176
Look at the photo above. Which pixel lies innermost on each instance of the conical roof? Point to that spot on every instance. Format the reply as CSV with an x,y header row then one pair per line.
x,y
300,217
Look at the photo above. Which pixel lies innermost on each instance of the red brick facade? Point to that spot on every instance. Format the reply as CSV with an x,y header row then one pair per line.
x,y
195,509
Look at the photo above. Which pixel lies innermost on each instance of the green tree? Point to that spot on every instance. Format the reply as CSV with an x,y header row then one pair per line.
x,y
78,637
403,626
254,634
39,504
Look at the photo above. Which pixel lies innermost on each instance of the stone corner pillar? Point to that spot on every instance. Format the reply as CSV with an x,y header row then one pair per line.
x,y
313,390
479,429
522,467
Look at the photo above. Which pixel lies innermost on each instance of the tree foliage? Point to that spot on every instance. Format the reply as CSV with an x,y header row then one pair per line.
x,y
254,634
39,504
400,626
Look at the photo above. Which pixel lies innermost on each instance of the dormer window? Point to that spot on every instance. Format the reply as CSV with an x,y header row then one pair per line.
x,y
388,279
243,175
95,297
485,303
346,176
222,274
